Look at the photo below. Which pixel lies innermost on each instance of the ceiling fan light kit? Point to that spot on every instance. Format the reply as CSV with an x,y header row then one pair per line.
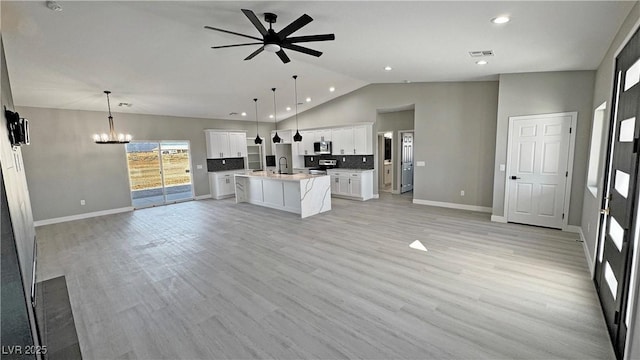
x,y
276,42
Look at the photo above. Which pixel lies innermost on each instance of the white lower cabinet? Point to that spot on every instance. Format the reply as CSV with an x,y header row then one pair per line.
x,y
222,184
352,184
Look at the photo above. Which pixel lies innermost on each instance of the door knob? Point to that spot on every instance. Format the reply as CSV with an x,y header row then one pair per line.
x,y
513,177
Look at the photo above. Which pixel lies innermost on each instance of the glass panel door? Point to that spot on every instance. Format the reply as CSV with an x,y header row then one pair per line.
x,y
159,172
176,172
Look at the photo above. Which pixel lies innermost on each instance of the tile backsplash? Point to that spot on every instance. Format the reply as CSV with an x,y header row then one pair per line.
x,y
344,161
229,164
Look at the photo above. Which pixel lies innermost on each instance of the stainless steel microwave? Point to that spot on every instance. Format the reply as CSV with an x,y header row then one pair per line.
x,y
322,147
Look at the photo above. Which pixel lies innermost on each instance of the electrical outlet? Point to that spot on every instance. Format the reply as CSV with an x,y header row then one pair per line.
x,y
344,159
224,162
588,227
199,167
364,159
502,167
461,192
312,158
82,202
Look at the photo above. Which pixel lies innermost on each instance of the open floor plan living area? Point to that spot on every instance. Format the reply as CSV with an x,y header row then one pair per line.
x,y
320,180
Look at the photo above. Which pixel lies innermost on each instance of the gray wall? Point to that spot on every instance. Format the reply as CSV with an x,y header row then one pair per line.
x,y
543,93
394,122
455,128
64,165
18,202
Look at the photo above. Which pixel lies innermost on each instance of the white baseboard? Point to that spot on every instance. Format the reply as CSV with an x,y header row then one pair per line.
x,y
81,216
498,219
376,196
452,205
396,192
202,197
590,260
573,229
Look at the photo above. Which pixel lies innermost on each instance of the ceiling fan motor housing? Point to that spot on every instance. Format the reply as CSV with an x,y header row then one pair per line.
x,y
270,18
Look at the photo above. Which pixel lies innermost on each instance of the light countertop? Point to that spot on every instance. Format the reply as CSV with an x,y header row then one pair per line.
x,y
285,177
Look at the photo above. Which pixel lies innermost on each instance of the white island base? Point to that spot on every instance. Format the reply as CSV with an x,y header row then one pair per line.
x,y
302,194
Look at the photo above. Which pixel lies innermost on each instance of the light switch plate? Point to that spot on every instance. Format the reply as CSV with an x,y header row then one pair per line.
x,y
199,167
502,167
420,163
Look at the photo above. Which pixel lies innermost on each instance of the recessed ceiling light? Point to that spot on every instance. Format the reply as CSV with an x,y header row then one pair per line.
x,y
288,108
387,68
332,89
271,116
500,20
244,113
308,99
482,62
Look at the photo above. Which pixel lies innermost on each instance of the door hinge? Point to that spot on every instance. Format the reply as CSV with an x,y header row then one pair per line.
x,y
570,130
566,174
616,318
562,216
635,145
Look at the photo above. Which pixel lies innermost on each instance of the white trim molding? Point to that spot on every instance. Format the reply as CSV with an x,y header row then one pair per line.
x,y
573,229
498,219
449,205
82,216
590,260
202,197
376,196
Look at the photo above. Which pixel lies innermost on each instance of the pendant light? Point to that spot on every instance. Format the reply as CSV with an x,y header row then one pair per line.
x,y
276,138
258,140
112,137
297,137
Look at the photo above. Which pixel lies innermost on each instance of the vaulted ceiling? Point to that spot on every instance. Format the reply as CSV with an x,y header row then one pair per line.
x,y
157,56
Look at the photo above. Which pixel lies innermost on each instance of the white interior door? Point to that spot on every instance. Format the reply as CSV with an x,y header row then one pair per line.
x,y
538,168
407,163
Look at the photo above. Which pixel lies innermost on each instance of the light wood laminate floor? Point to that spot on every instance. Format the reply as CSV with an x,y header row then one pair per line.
x,y
215,279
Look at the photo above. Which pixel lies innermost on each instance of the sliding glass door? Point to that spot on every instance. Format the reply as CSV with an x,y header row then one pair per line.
x,y
159,172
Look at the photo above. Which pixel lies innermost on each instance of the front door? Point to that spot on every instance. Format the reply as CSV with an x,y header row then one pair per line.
x,y
538,168
619,222
407,162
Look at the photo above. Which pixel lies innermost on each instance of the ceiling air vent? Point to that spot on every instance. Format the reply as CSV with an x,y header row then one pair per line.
x,y
481,53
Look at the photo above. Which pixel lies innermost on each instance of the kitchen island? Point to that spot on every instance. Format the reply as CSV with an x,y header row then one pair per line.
x,y
302,194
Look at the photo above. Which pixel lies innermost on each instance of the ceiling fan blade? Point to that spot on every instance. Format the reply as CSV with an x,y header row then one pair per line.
x,y
302,49
228,46
233,33
299,39
253,54
254,20
285,59
294,26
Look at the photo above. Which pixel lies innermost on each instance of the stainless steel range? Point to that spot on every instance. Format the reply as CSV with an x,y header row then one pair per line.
x,y
323,165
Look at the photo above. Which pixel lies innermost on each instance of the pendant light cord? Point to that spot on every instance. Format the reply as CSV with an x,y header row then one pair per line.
x,y
295,86
275,118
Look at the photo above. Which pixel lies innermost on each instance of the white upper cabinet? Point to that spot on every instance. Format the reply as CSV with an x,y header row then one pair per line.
x,y
225,144
352,140
237,144
362,142
323,135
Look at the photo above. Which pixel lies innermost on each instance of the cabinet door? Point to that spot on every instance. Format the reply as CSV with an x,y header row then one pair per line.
x,y
323,135
362,140
335,184
237,144
342,141
226,185
356,187
217,144
344,185
308,138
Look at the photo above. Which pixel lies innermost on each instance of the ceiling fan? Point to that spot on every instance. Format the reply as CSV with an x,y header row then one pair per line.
x,y
276,42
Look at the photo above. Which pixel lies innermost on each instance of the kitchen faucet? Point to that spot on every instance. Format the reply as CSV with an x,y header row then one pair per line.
x,y
280,164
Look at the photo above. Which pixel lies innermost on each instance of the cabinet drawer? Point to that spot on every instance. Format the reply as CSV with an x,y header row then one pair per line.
x,y
355,175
